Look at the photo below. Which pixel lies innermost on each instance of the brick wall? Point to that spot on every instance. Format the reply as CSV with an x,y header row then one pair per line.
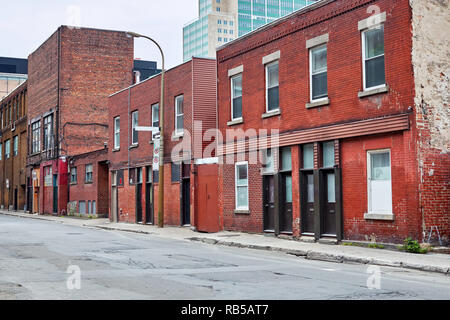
x,y
97,190
94,64
340,20
178,81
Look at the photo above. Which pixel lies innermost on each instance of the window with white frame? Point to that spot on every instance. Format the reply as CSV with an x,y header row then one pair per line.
x,y
117,133
134,124
379,182
1,151
88,173
48,132
373,58
242,186
236,97
268,156
318,73
82,207
7,149
179,115
15,146
36,137
73,175
155,115
272,87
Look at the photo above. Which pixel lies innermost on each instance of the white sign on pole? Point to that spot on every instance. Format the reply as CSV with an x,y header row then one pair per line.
x,y
156,144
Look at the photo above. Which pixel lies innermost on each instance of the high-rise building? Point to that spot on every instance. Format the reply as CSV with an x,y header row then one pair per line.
x,y
221,21
13,72
216,25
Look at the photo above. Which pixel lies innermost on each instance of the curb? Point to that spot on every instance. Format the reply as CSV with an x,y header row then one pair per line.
x,y
307,254
321,256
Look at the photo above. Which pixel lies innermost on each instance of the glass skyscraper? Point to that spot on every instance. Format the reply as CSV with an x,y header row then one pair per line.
x,y
221,21
253,14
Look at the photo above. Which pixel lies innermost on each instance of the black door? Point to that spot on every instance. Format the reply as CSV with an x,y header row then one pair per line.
x,y
139,202
186,202
55,193
15,199
269,203
149,219
329,203
307,199
29,196
286,204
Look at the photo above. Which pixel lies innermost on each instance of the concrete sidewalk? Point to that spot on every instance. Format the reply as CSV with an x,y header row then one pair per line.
x,y
433,262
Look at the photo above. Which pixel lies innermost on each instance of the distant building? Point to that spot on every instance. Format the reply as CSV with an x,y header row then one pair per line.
x,y
144,69
71,76
190,184
221,21
13,149
13,72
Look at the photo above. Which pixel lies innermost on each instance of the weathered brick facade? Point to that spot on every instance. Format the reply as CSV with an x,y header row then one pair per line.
x,y
13,127
70,77
93,192
355,121
195,80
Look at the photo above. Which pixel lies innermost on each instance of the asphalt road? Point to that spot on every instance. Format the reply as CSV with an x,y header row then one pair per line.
x,y
35,256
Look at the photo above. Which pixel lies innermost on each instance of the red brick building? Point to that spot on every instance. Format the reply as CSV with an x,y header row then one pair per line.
x,y
88,181
13,149
70,77
189,111
337,81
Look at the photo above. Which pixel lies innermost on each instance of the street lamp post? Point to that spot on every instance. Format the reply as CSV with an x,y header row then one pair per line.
x,y
161,146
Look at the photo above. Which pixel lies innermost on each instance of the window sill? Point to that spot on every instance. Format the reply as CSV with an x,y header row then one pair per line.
x,y
318,103
88,182
379,216
241,211
177,136
371,92
134,146
271,114
115,150
235,122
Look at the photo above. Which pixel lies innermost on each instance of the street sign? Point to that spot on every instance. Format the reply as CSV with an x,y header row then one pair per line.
x,y
156,144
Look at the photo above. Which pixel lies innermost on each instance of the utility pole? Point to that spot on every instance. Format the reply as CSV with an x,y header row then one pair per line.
x,y
161,136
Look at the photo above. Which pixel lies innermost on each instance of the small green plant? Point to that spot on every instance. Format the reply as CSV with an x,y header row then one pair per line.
x,y
352,244
412,246
375,246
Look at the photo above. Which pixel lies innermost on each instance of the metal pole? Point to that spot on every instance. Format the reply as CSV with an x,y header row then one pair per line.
x,y
161,125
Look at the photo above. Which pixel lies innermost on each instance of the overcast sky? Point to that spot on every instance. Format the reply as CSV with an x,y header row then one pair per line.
x,y
25,24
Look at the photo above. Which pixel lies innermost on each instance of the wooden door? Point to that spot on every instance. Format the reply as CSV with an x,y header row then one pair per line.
x,y
307,199
329,203
286,203
206,206
186,202
269,203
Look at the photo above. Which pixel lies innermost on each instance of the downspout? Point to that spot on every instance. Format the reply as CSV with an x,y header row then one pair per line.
x,y
57,122
129,127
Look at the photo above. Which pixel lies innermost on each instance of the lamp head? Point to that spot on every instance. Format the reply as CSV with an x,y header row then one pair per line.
x,y
133,34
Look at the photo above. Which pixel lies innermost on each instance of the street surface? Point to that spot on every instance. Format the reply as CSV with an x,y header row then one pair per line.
x,y
35,256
